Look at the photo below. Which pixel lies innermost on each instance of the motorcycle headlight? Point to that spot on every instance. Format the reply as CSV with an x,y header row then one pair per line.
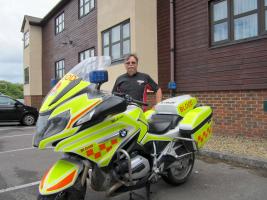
x,y
48,127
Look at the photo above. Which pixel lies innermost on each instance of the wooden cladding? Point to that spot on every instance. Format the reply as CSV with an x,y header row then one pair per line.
x,y
198,65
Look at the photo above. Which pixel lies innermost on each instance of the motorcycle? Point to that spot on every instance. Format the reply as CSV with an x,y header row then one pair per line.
x,y
109,144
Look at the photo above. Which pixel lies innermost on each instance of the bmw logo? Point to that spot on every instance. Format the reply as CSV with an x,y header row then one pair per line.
x,y
123,133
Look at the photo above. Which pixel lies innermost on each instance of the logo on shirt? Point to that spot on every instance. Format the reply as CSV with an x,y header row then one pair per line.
x,y
140,82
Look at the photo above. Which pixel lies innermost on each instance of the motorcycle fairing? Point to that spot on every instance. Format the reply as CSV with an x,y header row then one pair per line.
x,y
77,106
100,142
67,87
153,137
60,176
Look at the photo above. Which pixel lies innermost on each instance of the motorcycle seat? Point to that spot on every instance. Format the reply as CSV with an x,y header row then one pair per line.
x,y
161,123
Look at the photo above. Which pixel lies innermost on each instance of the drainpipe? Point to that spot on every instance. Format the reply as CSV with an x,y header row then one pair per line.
x,y
172,84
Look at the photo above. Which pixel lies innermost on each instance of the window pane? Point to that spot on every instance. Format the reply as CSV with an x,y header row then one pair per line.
x,y
116,51
220,11
26,38
81,11
246,27
26,75
4,101
265,2
87,55
220,32
86,7
126,47
242,6
115,34
81,56
92,53
106,51
266,19
81,2
126,31
92,4
106,39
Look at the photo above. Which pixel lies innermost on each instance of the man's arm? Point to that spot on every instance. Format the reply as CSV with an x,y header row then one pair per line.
x,y
158,95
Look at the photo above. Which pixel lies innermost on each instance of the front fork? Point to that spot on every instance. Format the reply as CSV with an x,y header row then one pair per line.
x,y
87,167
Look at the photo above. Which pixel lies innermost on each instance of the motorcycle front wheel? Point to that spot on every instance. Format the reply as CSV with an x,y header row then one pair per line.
x,y
77,192
180,170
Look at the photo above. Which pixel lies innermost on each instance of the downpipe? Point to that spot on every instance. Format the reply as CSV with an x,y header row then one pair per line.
x,y
119,184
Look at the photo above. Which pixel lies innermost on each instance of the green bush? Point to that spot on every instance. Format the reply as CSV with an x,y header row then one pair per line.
x,y
14,90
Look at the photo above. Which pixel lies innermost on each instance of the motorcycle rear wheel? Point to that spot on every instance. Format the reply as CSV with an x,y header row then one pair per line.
x,y
77,192
180,170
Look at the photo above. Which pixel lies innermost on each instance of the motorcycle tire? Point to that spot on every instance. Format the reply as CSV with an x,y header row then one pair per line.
x,y
77,192
178,174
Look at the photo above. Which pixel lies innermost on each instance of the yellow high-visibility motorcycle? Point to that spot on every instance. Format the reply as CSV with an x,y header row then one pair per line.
x,y
109,143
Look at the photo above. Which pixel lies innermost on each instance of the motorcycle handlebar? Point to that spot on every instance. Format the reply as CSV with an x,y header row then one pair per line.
x,y
129,99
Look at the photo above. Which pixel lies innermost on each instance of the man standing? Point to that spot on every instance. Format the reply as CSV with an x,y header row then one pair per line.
x,y
134,83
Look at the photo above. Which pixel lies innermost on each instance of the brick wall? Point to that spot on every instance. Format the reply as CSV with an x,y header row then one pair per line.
x,y
81,31
34,101
235,112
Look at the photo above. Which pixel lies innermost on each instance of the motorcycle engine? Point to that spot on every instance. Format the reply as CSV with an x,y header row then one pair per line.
x,y
101,179
140,167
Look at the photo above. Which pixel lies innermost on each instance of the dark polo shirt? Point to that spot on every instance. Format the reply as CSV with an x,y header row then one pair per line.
x,y
136,86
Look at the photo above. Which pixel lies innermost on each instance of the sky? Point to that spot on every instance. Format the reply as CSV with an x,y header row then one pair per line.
x,y
11,45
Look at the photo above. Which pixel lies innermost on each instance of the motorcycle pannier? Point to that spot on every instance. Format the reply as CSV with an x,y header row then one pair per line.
x,y
197,125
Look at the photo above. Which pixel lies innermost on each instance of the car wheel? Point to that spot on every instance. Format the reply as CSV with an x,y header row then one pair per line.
x,y
28,120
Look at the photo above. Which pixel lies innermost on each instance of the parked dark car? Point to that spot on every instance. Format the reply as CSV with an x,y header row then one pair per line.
x,y
12,110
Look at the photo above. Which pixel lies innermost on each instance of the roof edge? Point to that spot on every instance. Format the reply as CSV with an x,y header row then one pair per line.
x,y
41,21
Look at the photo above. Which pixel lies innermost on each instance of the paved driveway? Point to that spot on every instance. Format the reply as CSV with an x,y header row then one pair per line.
x,y
22,166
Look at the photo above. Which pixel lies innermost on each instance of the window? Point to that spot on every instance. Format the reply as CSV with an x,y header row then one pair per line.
x,y
26,75
265,8
60,23
6,101
234,20
245,19
26,39
220,22
60,69
86,6
86,54
116,41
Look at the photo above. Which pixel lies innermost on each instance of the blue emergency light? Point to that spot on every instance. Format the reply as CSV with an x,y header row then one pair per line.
x,y
98,77
171,85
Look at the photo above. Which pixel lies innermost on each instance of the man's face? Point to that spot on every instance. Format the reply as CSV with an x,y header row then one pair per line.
x,y
131,66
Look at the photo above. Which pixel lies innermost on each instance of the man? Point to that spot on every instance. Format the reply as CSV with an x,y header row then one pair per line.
x,y
134,83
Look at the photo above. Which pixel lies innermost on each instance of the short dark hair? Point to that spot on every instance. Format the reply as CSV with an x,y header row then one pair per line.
x,y
129,56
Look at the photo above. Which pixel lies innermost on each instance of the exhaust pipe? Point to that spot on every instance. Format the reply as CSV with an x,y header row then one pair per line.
x,y
112,190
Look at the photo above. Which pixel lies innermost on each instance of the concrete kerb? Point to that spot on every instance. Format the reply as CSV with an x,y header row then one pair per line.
x,y
247,161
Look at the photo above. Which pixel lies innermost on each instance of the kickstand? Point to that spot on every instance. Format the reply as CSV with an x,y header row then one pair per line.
x,y
148,192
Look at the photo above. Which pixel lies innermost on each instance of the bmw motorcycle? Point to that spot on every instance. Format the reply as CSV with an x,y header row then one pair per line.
x,y
109,144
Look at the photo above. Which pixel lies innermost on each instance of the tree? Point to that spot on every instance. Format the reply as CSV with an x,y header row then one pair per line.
x,y
14,90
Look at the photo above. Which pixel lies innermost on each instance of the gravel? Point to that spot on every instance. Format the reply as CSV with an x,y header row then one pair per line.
x,y
239,146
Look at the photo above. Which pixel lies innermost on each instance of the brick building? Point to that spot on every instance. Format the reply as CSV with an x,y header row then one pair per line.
x,y
215,50
220,56
76,29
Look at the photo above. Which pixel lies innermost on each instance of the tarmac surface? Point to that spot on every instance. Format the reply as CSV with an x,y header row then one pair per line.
x,y
21,168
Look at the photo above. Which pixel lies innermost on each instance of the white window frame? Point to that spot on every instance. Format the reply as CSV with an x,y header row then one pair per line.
x,y
60,23
83,55
121,41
